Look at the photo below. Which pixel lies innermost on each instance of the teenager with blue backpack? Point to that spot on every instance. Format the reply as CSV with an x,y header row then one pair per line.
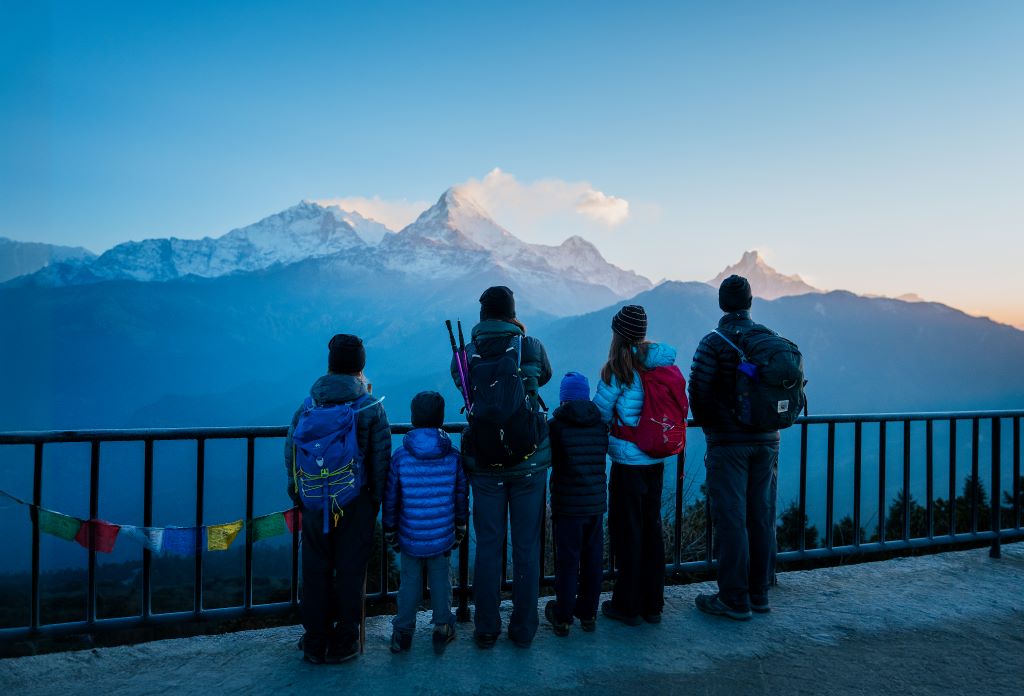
x,y
642,396
506,453
337,453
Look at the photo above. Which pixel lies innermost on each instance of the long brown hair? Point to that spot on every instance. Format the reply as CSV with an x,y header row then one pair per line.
x,y
625,360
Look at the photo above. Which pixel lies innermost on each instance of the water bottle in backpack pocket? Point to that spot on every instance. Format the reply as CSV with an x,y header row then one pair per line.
x,y
327,465
769,379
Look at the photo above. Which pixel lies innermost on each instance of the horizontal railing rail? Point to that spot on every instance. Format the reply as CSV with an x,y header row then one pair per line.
x,y
905,541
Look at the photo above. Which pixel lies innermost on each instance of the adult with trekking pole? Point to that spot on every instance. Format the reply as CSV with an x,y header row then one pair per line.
x,y
506,454
746,383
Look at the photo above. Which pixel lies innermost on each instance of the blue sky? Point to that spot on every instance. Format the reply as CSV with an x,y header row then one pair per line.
x,y
873,146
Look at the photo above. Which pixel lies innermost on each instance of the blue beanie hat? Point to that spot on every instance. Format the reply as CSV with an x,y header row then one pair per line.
x,y
574,387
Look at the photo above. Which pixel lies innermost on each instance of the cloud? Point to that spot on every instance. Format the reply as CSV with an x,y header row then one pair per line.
x,y
505,197
395,214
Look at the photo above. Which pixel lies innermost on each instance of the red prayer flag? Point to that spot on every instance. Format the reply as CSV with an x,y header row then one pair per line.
x,y
104,535
293,518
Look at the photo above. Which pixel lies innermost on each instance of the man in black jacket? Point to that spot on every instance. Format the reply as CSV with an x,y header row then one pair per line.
x,y
579,448
741,463
334,564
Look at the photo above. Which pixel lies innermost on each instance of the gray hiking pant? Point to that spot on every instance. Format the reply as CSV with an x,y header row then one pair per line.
x,y
410,591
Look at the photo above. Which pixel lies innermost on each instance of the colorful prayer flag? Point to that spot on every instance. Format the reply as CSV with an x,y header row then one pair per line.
x,y
150,537
220,536
293,518
267,526
58,525
98,534
180,540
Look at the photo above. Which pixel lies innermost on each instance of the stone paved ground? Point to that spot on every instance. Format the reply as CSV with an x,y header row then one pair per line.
x,y
950,623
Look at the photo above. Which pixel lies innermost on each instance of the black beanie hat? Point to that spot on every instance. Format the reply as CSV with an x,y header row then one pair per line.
x,y
497,303
734,294
427,410
630,322
347,355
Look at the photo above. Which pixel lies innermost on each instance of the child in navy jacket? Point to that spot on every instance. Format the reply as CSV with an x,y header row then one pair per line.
x,y
425,515
579,447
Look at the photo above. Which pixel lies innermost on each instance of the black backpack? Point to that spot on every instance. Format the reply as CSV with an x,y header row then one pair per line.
x,y
769,379
504,426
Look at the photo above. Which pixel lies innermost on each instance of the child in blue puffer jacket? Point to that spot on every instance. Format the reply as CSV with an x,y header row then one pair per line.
x,y
425,515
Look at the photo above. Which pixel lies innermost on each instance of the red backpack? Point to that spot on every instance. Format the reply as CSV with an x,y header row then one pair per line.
x,y
661,430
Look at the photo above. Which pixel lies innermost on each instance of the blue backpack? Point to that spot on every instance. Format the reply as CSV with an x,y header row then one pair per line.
x,y
327,465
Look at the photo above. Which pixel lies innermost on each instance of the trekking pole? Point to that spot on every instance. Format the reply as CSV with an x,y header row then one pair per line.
x,y
458,363
465,365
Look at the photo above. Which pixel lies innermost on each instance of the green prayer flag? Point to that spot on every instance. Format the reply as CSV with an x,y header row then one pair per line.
x,y
268,526
58,525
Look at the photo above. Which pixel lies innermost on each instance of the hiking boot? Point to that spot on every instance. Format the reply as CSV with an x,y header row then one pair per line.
x,y
759,605
588,625
400,641
712,604
485,641
609,610
314,651
338,652
560,628
652,618
443,635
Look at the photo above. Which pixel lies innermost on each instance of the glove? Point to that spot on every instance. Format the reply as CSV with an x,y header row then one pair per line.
x,y
391,538
460,534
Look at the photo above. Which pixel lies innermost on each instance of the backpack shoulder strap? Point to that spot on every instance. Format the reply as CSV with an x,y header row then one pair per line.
x,y
743,356
361,405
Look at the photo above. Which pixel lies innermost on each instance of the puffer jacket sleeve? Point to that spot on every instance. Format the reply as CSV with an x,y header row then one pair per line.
x,y
377,456
535,364
606,397
702,374
461,493
392,494
557,448
289,455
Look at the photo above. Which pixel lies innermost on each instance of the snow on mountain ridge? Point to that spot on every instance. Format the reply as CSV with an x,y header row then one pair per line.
x,y
765,281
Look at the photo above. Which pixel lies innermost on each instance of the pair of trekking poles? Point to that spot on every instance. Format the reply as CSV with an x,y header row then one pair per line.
x,y
462,362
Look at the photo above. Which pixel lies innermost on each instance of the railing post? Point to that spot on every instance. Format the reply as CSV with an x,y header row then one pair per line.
x,y
37,501
147,521
857,456
295,562
802,505
94,504
830,485
906,480
250,476
881,482
463,614
975,427
197,597
997,486
1016,472
952,477
929,461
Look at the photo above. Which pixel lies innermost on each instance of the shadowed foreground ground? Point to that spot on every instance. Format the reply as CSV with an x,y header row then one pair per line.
x,y
948,623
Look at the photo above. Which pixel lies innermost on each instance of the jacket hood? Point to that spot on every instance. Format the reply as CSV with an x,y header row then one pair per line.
x,y
427,443
490,328
660,355
579,412
337,389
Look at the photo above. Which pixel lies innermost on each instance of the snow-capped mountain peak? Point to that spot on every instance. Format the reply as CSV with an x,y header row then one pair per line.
x,y
765,281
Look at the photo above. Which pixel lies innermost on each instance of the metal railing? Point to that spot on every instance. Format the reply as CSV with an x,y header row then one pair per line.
x,y
905,541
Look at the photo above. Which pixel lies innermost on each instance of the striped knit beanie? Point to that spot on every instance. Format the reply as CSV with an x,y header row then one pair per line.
x,y
631,323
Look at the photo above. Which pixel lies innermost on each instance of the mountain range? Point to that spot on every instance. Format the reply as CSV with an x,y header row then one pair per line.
x,y
23,258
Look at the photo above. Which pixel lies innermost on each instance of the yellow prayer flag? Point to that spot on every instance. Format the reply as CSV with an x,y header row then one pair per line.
x,y
220,536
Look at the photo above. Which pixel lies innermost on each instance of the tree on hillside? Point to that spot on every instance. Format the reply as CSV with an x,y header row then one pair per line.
x,y
790,527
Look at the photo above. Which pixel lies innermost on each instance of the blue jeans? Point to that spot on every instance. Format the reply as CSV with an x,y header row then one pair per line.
x,y
410,591
495,502
742,482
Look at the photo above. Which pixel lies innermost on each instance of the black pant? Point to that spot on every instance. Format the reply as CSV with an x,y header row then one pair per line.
x,y
333,569
579,550
634,522
742,482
